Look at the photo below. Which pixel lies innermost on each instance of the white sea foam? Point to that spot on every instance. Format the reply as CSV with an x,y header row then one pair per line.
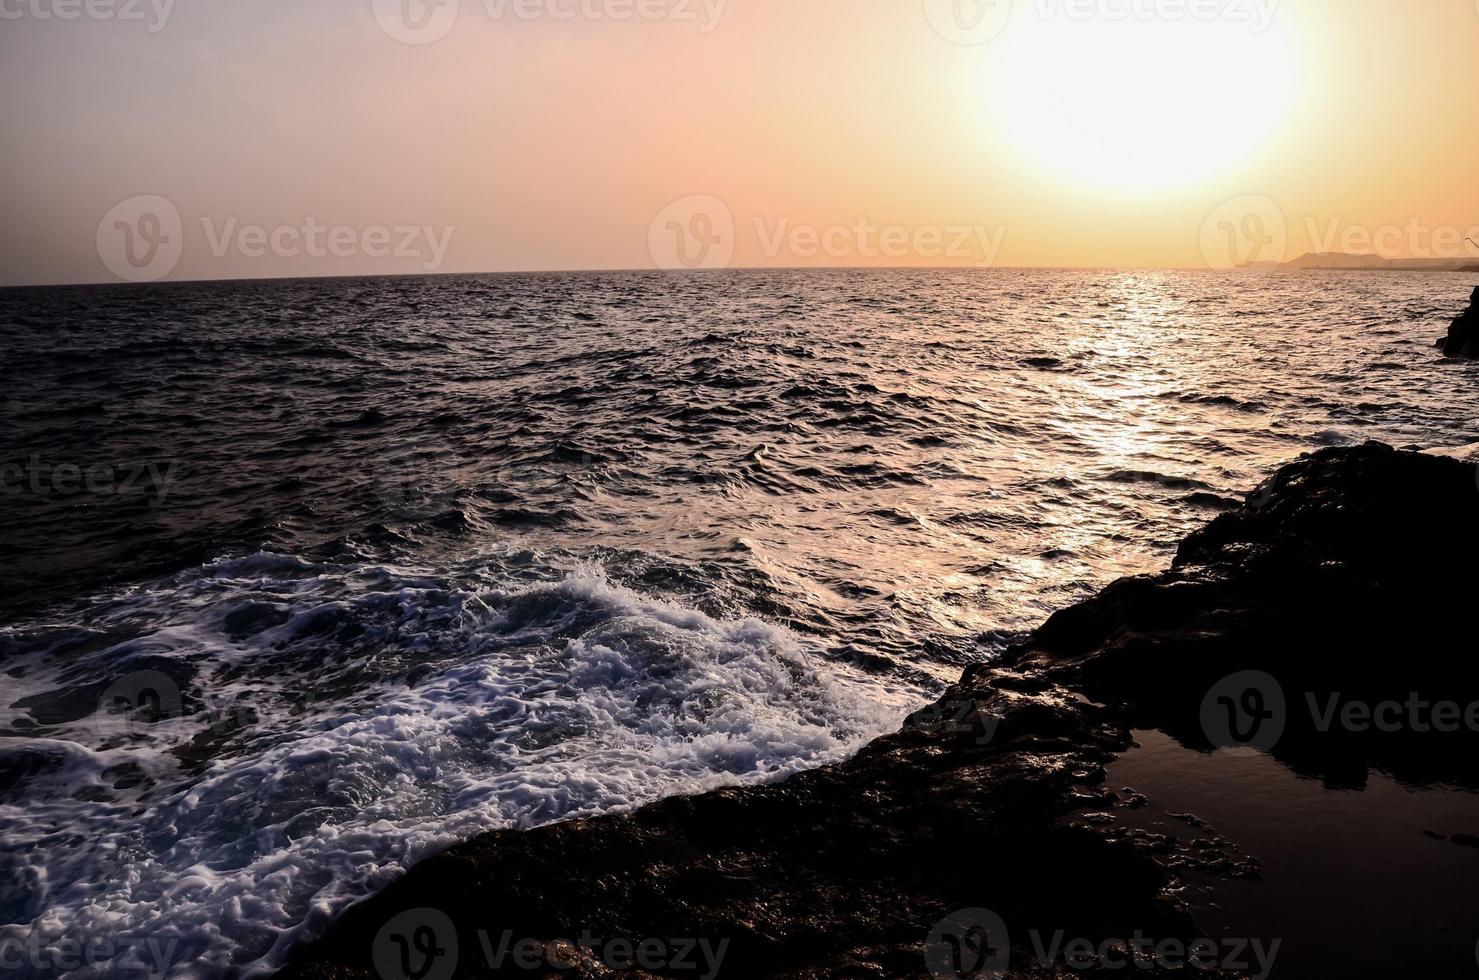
x,y
343,722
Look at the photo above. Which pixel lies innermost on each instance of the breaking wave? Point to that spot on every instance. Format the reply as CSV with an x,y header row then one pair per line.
x,y
358,718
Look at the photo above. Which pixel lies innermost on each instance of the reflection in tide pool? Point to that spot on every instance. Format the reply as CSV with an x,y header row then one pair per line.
x,y
1330,860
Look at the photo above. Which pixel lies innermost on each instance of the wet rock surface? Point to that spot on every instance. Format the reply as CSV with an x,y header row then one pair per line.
x,y
1463,335
984,828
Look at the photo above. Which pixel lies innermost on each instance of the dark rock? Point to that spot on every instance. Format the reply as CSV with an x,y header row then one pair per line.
x,y
1342,575
1348,572
1463,335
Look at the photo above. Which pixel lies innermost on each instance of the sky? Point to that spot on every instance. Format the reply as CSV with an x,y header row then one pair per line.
x,y
205,139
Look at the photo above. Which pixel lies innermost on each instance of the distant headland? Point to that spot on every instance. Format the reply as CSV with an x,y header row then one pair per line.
x,y
1367,262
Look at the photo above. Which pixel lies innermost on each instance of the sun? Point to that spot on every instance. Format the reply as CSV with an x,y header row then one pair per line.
x,y
1140,103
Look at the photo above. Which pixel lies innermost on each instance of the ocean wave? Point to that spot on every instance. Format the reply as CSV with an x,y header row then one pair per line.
x,y
357,718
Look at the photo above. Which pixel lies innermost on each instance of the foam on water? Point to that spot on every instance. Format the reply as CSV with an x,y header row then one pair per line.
x,y
309,730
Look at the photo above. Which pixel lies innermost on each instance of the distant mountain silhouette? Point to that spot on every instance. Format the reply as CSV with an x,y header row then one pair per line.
x,y
1370,262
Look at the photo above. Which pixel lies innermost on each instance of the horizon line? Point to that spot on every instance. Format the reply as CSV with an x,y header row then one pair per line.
x,y
613,270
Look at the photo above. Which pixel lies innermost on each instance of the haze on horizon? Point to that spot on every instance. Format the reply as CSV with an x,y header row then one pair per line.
x,y
590,134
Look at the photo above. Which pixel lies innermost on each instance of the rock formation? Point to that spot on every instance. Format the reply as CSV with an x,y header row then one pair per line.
x,y
1463,335
1351,570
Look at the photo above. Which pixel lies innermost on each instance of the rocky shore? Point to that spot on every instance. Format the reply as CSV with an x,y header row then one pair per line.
x,y
981,838
1463,335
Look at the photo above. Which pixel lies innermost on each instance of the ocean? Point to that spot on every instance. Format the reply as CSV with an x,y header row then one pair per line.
x,y
304,581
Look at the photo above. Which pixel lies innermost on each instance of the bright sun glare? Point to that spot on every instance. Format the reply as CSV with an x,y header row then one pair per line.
x,y
1141,104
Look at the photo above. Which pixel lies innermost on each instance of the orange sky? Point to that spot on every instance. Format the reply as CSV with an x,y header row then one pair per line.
x,y
549,134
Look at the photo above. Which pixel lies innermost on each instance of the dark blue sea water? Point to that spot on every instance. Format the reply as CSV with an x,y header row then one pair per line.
x,y
305,580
